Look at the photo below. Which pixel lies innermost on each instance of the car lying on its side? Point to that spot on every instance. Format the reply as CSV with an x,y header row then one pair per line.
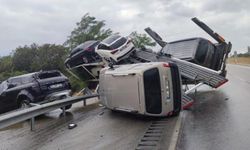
x,y
196,50
38,87
83,54
115,48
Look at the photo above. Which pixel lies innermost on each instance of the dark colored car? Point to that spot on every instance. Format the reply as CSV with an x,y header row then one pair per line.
x,y
38,87
83,54
197,50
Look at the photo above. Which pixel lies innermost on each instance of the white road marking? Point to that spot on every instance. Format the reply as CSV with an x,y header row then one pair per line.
x,y
176,132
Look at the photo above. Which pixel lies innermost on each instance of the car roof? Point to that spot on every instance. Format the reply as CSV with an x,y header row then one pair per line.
x,y
111,39
32,74
24,75
82,46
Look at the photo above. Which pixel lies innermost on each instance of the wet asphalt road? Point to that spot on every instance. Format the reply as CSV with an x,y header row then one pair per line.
x,y
220,119
97,128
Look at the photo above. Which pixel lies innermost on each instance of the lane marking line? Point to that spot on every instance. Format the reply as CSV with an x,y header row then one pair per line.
x,y
176,133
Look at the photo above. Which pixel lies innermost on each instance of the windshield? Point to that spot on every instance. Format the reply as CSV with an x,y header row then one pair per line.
x,y
46,75
84,46
118,43
111,39
3,86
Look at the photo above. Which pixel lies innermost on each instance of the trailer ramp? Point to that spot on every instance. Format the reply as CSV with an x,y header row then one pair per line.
x,y
188,70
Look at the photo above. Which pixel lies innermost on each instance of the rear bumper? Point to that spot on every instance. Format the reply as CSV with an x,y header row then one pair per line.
x,y
56,96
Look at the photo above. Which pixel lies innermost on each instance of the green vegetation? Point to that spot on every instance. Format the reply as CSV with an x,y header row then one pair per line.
x,y
141,40
87,29
32,58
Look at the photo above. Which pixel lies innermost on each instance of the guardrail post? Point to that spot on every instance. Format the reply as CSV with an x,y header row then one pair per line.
x,y
64,111
32,124
84,102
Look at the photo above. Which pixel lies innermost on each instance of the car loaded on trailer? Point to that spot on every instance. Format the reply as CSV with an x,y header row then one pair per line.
x,y
197,50
38,87
115,48
83,53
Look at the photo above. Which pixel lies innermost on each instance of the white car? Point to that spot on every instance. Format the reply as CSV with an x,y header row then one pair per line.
x,y
115,48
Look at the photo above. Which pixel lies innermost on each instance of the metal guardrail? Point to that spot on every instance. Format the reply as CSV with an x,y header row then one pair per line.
x,y
32,112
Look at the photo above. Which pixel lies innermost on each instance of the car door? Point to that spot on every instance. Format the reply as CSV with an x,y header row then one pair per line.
x,y
8,100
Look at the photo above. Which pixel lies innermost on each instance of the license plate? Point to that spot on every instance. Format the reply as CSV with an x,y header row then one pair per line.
x,y
55,86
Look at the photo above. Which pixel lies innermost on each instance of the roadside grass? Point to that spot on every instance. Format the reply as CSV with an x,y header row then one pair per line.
x,y
239,60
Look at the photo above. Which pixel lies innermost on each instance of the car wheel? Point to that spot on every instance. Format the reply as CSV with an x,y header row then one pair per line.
x,y
68,106
24,103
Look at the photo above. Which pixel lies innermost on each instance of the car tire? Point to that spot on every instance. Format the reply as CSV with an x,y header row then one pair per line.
x,y
68,106
24,103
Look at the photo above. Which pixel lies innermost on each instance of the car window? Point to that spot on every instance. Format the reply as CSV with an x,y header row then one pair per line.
x,y
3,86
118,43
111,39
83,46
45,75
21,80
27,79
15,80
202,51
103,47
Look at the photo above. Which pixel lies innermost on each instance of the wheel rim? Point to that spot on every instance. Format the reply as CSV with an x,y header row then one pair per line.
x,y
23,105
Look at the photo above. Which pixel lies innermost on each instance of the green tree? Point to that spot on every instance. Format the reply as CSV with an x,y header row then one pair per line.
x,y
6,64
141,40
87,29
23,57
49,57
6,68
34,57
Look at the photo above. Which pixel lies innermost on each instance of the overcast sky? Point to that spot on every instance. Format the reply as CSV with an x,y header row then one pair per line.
x,y
23,22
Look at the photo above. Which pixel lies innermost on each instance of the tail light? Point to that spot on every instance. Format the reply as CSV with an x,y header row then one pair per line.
x,y
114,51
88,49
166,65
